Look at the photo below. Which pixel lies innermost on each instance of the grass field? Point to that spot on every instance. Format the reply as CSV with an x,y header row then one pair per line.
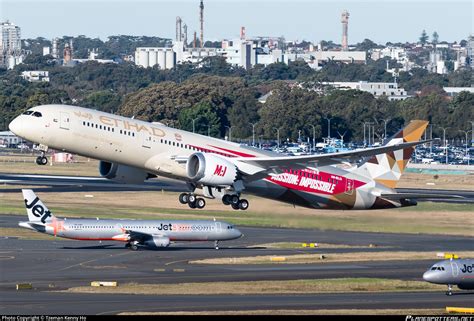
x,y
267,287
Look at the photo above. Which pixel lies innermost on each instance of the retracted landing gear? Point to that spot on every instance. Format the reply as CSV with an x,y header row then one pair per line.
x,y
192,200
450,290
235,202
41,160
216,245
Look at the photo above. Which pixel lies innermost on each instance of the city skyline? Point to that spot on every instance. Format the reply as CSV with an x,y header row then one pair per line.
x,y
380,21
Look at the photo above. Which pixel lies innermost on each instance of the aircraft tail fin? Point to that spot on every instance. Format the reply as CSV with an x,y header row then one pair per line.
x,y
387,168
37,211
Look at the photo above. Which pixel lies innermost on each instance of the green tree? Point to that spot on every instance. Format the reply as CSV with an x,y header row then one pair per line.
x,y
423,37
205,116
243,112
102,100
435,38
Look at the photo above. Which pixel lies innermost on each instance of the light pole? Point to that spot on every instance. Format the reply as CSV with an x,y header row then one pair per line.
x,y
278,137
385,122
466,152
253,133
444,142
230,132
208,130
472,133
194,121
314,139
431,139
368,135
329,125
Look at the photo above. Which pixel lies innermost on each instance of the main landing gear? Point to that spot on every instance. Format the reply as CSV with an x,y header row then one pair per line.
x,y
192,200
41,160
235,202
196,202
216,245
131,246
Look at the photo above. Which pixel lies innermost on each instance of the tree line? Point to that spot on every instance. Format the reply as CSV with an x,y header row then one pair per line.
x,y
216,97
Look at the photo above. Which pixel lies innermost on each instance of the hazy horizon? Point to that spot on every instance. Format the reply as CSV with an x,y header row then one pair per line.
x,y
380,21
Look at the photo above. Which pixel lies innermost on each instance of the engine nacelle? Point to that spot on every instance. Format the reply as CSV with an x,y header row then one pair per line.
x,y
158,241
210,170
122,173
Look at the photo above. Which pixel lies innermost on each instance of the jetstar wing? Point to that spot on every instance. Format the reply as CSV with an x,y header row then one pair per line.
x,y
138,236
267,164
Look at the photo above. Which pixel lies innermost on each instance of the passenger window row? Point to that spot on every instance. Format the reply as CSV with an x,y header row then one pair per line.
x,y
107,128
186,146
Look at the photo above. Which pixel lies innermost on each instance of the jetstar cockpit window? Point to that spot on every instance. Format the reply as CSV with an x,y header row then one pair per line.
x,y
37,114
437,268
28,112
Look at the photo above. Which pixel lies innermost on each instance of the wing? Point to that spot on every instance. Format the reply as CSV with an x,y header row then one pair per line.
x,y
138,236
295,162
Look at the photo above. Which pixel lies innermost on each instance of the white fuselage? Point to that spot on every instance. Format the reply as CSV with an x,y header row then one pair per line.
x,y
160,150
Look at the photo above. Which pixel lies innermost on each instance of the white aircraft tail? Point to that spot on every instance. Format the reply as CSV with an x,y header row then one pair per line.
x,y
37,211
387,168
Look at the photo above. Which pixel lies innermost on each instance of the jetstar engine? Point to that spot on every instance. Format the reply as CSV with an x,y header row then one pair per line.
x,y
211,170
158,241
122,173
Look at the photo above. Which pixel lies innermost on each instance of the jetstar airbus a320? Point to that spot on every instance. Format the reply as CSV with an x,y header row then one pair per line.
x,y
130,151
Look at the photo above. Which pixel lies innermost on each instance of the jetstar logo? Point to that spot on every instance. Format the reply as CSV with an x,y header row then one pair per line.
x,y
38,210
220,170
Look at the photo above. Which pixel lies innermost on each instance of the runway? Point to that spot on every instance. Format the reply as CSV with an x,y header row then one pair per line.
x,y
60,264
57,183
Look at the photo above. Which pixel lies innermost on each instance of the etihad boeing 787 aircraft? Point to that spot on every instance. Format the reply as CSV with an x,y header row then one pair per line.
x,y
131,151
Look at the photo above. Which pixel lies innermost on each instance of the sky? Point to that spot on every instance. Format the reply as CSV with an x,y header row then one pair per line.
x,y
311,20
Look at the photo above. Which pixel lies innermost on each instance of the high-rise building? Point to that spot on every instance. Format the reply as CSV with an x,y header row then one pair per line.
x,y
470,50
10,44
345,27
201,19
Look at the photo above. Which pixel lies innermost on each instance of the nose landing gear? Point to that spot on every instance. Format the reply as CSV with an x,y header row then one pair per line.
x,y
41,160
450,290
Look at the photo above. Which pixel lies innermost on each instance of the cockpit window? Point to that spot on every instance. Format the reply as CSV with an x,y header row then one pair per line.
x,y
437,268
28,112
37,114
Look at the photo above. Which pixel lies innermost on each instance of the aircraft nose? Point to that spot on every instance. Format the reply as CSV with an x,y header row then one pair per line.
x,y
15,126
428,276
238,234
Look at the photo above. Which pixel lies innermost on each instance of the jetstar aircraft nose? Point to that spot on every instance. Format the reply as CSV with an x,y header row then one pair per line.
x,y
238,234
15,126
428,276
